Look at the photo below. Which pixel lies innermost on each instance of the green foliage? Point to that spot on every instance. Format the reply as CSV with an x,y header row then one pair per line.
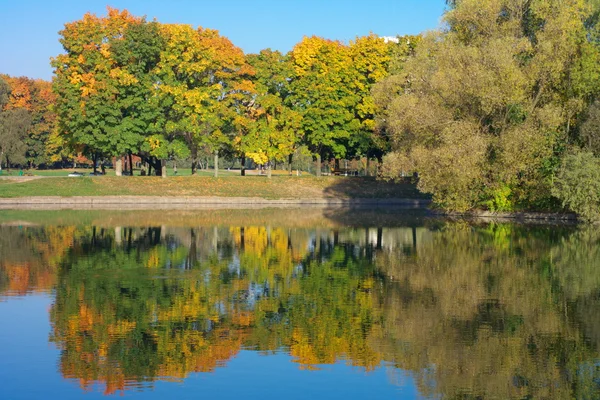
x,y
590,129
577,185
4,93
501,200
103,96
322,93
483,110
271,127
14,125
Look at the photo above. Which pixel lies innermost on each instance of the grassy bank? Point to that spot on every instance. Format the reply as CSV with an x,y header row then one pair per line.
x,y
279,187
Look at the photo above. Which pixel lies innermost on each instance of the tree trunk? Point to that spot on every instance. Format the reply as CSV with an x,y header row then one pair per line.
x,y
269,170
318,166
102,167
118,235
119,167
149,168
95,161
7,164
194,151
130,157
243,167
367,172
216,164
1,155
163,168
290,159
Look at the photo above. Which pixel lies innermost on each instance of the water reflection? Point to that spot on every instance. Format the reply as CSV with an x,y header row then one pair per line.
x,y
472,311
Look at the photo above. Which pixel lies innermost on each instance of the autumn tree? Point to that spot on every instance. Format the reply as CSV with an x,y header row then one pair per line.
x,y
322,93
201,74
14,124
370,56
272,134
483,110
137,55
34,95
102,105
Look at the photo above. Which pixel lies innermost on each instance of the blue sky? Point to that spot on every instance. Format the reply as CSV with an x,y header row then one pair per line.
x,y
29,28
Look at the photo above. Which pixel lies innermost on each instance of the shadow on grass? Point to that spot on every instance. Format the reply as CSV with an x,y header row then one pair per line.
x,y
368,187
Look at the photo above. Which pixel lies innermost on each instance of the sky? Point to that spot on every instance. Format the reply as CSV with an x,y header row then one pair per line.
x,y
29,28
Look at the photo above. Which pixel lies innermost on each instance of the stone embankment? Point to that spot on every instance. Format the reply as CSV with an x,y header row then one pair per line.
x,y
179,201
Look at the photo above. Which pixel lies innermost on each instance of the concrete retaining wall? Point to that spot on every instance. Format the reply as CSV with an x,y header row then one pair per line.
x,y
165,200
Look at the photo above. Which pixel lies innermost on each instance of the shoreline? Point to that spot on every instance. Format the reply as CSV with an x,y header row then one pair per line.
x,y
162,202
199,202
514,216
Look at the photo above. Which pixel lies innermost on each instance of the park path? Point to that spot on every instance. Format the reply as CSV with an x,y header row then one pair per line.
x,y
20,179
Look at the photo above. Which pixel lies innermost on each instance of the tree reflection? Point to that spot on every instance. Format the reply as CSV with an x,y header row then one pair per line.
x,y
473,311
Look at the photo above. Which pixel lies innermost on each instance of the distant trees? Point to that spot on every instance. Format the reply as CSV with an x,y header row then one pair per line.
x,y
14,124
128,86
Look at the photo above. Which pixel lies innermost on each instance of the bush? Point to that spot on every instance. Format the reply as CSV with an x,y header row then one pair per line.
x,y
577,185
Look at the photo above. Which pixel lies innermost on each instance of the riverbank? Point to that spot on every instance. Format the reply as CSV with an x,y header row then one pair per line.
x,y
514,216
162,202
191,192
307,188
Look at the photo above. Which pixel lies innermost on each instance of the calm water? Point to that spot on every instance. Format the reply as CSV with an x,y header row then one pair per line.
x,y
295,303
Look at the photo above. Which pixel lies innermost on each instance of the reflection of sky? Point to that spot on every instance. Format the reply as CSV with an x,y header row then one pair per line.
x,y
29,370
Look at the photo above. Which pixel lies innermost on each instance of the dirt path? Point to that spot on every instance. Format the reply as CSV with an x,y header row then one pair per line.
x,y
19,179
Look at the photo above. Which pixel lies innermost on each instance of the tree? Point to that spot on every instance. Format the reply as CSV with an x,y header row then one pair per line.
x,y
483,110
271,133
4,92
135,56
102,105
14,124
322,93
36,97
590,129
577,185
201,73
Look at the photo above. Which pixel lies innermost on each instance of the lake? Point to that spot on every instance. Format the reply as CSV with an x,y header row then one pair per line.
x,y
295,303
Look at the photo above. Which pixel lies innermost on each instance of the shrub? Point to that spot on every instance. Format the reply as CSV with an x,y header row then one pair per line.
x,y
577,185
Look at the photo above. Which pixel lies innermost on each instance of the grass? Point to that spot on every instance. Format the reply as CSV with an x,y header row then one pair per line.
x,y
279,187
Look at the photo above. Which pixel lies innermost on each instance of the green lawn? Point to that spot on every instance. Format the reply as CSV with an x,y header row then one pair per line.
x,y
279,187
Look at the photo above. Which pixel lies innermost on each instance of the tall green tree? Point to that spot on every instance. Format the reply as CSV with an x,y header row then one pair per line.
x,y
483,111
136,56
92,87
